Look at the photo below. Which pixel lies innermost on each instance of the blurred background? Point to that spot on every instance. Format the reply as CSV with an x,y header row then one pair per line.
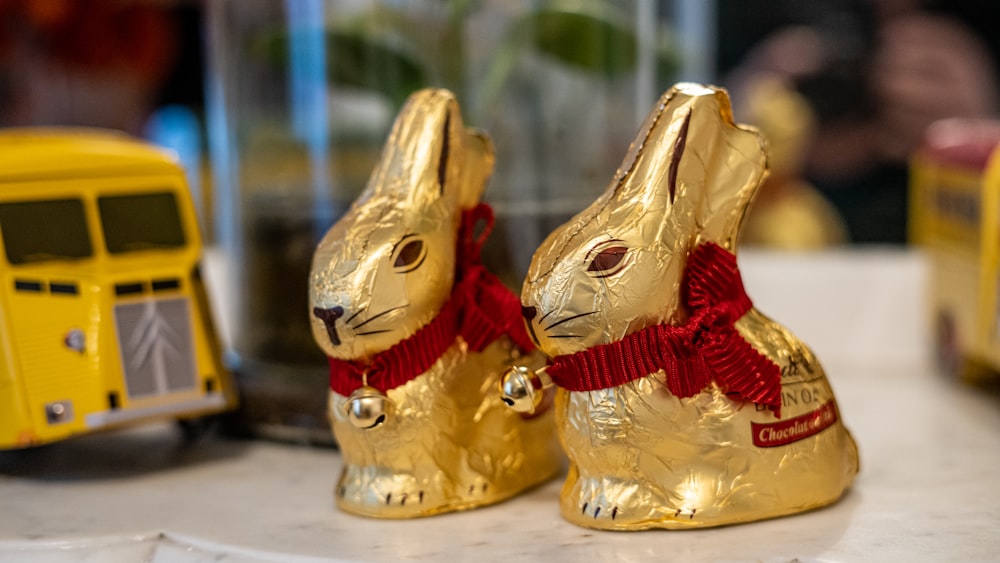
x,y
278,109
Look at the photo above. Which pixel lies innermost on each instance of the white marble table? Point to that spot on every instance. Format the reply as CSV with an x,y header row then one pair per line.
x,y
928,489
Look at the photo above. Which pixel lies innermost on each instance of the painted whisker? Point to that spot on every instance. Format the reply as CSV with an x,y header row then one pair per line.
x,y
352,317
567,319
382,314
371,332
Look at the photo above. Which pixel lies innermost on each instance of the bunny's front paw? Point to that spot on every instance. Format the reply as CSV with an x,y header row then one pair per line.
x,y
477,489
625,517
606,503
595,510
610,503
399,498
370,492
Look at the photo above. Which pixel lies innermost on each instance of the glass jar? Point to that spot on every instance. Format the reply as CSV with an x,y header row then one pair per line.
x,y
302,94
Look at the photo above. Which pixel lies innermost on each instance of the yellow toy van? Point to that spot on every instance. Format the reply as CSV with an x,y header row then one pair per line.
x,y
104,319
955,217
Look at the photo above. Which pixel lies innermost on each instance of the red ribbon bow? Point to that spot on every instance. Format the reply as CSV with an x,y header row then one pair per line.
x,y
704,348
480,310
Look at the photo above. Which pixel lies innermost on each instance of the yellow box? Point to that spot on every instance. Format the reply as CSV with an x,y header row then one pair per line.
x,y
955,217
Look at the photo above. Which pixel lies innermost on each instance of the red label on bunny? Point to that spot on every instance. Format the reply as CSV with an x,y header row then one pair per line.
x,y
771,434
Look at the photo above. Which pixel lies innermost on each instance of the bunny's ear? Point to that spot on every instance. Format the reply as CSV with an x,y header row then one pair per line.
x,y
423,160
476,167
691,161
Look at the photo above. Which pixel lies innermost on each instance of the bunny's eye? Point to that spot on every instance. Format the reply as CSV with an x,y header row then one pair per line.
x,y
409,255
607,262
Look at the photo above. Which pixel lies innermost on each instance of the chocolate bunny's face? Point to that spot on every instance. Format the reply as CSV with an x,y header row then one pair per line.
x,y
386,268
617,266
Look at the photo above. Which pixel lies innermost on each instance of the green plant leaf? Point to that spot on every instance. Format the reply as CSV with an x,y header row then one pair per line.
x,y
589,42
357,59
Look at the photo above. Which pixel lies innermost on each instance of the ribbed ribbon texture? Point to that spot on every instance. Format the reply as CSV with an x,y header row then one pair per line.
x,y
480,310
691,355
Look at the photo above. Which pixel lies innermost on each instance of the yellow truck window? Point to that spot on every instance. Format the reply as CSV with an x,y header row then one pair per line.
x,y
42,230
139,222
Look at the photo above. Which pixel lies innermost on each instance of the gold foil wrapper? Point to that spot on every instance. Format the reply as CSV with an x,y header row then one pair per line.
x,y
641,457
446,442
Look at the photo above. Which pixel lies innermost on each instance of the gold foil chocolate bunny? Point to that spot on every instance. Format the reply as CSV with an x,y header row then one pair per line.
x,y
418,332
679,405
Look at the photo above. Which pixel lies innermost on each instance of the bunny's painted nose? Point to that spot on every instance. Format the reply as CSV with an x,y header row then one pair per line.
x,y
329,318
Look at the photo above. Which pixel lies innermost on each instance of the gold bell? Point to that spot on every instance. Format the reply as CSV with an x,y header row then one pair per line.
x,y
367,407
523,388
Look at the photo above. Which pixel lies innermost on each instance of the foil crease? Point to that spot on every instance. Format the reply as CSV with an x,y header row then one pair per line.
x,y
448,443
639,456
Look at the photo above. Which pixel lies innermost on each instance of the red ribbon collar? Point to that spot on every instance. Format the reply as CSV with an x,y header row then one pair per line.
x,y
480,310
704,348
